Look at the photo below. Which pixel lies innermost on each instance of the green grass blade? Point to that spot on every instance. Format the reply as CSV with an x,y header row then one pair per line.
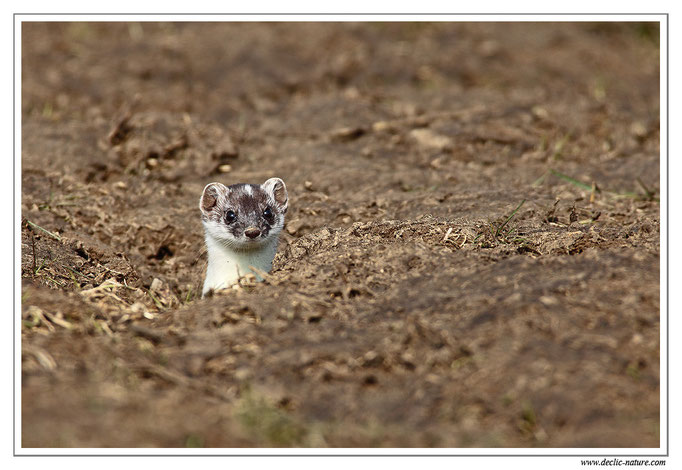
x,y
509,218
573,181
53,235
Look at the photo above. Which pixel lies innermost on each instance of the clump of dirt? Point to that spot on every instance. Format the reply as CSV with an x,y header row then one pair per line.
x,y
471,256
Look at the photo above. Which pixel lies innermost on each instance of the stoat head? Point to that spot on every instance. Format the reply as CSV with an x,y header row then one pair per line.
x,y
244,216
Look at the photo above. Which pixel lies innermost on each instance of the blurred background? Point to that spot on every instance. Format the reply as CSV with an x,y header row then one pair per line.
x,y
471,256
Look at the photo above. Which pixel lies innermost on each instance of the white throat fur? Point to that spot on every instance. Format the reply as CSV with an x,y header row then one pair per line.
x,y
226,265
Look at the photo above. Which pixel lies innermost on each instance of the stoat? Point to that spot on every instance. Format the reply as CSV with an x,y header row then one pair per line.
x,y
242,224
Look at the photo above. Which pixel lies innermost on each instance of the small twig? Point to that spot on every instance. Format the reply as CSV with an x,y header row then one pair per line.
x,y
38,314
155,337
33,244
57,321
102,286
593,192
265,276
182,380
447,234
43,357
164,374
465,240
573,216
105,327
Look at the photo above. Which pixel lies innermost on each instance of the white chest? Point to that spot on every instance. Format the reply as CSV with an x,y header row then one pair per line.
x,y
226,266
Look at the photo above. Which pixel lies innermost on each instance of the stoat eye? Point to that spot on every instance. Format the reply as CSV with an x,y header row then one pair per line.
x,y
230,216
267,213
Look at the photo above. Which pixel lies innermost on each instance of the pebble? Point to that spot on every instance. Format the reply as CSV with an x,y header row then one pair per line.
x,y
347,133
381,126
429,139
156,285
638,129
548,301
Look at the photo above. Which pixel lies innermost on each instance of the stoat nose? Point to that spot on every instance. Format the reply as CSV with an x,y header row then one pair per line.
x,y
252,232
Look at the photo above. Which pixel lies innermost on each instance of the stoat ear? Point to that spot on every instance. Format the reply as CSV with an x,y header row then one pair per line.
x,y
276,188
209,198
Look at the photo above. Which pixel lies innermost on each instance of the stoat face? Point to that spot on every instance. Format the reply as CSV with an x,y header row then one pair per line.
x,y
244,217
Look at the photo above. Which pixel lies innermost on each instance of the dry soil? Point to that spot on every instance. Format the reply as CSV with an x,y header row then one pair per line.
x,y
471,256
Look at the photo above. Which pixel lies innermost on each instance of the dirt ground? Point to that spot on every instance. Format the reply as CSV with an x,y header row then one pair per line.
x,y
471,256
